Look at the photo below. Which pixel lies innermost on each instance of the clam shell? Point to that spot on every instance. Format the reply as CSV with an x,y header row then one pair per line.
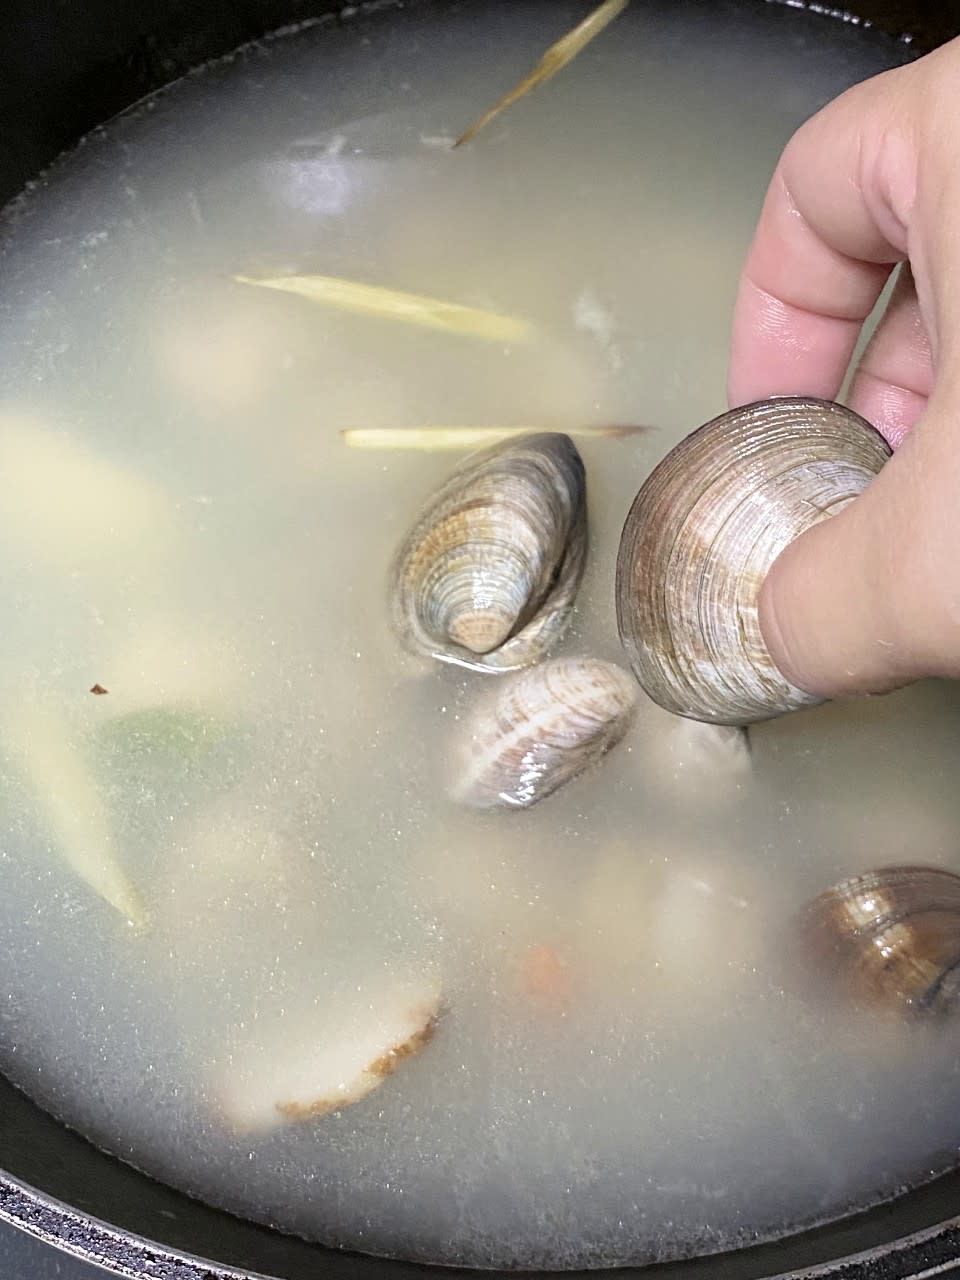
x,y
889,938
542,729
488,574
701,536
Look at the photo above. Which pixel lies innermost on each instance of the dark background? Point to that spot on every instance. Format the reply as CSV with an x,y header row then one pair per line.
x,y
70,64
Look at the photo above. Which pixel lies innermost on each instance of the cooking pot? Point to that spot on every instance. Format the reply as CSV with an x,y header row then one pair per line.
x,y
66,65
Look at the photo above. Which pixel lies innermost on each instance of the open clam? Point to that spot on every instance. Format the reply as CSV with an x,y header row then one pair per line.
x,y
701,536
488,574
542,729
889,938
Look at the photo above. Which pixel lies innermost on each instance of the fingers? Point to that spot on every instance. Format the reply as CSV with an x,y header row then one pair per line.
x,y
870,599
895,376
780,348
830,231
825,606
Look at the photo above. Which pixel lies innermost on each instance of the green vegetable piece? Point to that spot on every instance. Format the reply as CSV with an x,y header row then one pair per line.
x,y
168,735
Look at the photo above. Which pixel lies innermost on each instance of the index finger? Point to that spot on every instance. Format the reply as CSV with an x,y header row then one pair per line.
x,y
831,229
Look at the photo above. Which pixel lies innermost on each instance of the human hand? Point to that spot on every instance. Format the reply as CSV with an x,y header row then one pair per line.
x,y
870,599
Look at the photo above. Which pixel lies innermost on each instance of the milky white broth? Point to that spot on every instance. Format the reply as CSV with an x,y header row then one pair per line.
x,y
625,1069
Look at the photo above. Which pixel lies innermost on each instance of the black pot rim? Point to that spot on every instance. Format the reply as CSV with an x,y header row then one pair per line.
x,y
920,1255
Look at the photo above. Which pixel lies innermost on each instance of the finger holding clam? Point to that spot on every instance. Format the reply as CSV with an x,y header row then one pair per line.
x,y
541,729
488,574
702,535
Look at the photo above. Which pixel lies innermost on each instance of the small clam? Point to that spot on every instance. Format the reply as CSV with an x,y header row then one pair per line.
x,y
488,574
542,729
889,938
701,536
332,1064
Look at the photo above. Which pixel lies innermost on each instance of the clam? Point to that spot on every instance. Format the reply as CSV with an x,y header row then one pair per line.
x,y
332,1064
889,938
488,574
541,729
701,536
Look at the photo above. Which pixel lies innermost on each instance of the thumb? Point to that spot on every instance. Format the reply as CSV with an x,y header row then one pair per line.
x,y
870,599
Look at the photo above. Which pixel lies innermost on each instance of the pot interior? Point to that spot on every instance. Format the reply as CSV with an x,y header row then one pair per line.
x,y
65,75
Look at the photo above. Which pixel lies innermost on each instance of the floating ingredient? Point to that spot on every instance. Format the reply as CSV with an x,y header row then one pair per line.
x,y
334,1064
554,60
428,439
701,536
889,939
703,765
488,575
542,729
72,803
409,308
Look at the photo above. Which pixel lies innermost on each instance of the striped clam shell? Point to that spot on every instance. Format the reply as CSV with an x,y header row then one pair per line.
x,y
889,939
541,729
488,574
701,536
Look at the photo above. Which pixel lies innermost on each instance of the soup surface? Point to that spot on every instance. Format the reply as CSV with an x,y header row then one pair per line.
x,y
623,1067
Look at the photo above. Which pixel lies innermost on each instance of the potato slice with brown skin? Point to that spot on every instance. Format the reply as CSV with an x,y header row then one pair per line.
x,y
338,1060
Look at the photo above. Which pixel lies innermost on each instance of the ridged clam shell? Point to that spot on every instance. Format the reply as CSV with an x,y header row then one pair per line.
x,y
488,574
701,536
541,729
889,938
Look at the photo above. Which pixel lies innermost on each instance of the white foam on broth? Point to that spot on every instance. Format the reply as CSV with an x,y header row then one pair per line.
x,y
623,1070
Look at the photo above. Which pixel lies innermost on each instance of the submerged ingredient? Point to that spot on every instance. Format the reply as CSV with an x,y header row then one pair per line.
x,y
554,60
409,308
622,1069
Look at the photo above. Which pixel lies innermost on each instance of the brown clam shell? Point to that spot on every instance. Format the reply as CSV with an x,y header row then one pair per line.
x,y
889,938
701,536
